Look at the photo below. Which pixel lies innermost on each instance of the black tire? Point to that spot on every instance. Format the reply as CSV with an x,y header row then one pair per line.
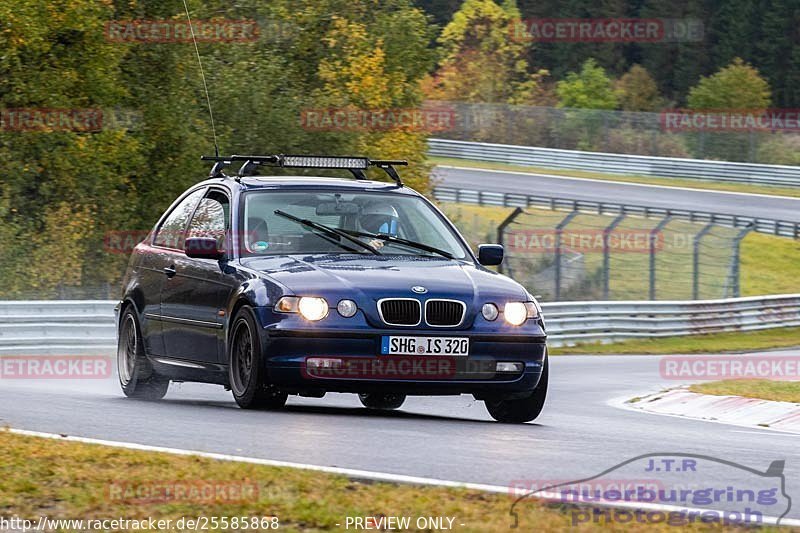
x,y
523,409
136,375
384,401
245,369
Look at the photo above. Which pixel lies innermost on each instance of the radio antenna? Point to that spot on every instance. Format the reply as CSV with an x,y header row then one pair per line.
x,y
202,75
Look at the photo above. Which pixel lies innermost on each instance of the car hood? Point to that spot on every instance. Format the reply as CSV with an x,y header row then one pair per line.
x,y
372,278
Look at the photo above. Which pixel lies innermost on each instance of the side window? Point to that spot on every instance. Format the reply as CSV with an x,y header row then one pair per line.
x,y
211,218
170,234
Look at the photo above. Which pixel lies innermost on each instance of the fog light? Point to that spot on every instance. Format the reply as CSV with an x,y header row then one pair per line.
x,y
513,368
313,308
347,308
489,312
323,362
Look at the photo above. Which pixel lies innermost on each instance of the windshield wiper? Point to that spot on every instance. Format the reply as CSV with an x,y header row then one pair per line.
x,y
400,240
327,230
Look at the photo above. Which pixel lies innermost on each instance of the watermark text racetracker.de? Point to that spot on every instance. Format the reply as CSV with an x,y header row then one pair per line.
x,y
715,367
730,120
55,367
180,31
592,240
51,119
424,119
62,119
183,491
606,30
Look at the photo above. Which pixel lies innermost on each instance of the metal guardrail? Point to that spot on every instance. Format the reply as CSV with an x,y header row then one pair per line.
x,y
81,327
608,163
781,228
575,322
57,327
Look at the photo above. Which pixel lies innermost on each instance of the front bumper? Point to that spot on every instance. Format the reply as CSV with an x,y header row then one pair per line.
x,y
289,355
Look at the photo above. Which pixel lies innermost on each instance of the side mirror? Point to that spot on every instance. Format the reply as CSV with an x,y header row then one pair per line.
x,y
490,254
203,248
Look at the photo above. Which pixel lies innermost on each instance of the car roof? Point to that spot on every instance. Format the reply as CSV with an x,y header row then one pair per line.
x,y
309,182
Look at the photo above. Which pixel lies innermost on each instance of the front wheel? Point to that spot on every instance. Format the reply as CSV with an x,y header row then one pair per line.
x,y
523,409
136,375
386,401
245,371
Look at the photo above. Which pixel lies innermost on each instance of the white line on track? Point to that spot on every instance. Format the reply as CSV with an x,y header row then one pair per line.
x,y
370,475
614,182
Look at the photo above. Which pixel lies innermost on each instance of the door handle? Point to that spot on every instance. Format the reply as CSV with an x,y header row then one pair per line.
x,y
170,271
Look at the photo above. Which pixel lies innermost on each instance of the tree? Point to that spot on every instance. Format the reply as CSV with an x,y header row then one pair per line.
x,y
590,88
482,62
731,27
61,189
64,191
737,86
637,91
441,10
777,50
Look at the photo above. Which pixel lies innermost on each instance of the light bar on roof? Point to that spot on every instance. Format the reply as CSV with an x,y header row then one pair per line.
x,y
311,161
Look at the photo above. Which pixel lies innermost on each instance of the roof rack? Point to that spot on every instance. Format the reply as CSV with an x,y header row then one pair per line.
x,y
356,165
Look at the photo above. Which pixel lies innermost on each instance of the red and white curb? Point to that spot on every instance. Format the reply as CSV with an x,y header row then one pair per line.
x,y
735,410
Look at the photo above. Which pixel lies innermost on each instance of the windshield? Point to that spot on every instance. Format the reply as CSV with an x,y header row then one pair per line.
x,y
383,221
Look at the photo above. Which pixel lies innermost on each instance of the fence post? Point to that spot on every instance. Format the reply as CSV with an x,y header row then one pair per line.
x,y
696,261
606,261
653,236
559,229
736,261
501,229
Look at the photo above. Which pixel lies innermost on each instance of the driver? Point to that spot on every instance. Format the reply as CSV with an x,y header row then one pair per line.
x,y
379,218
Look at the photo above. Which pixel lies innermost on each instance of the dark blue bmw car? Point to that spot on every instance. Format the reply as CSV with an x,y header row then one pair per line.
x,y
273,286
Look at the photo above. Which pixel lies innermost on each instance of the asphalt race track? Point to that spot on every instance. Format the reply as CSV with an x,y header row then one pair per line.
x,y
451,438
581,433
751,205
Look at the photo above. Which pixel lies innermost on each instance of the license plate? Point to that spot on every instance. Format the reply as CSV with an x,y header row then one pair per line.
x,y
397,345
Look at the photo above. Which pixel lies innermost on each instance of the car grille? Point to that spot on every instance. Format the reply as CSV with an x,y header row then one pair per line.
x,y
444,312
399,312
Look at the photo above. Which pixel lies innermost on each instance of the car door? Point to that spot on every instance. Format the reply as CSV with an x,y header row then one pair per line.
x,y
156,260
194,300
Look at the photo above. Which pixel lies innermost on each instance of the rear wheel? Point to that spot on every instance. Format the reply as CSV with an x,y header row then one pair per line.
x,y
245,371
136,375
523,409
386,401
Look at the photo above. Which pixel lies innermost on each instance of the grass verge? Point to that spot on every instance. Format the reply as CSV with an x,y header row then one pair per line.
x,y
648,180
712,343
60,479
764,389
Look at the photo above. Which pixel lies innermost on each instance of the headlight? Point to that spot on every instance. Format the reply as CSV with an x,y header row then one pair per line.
x,y
516,313
311,308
